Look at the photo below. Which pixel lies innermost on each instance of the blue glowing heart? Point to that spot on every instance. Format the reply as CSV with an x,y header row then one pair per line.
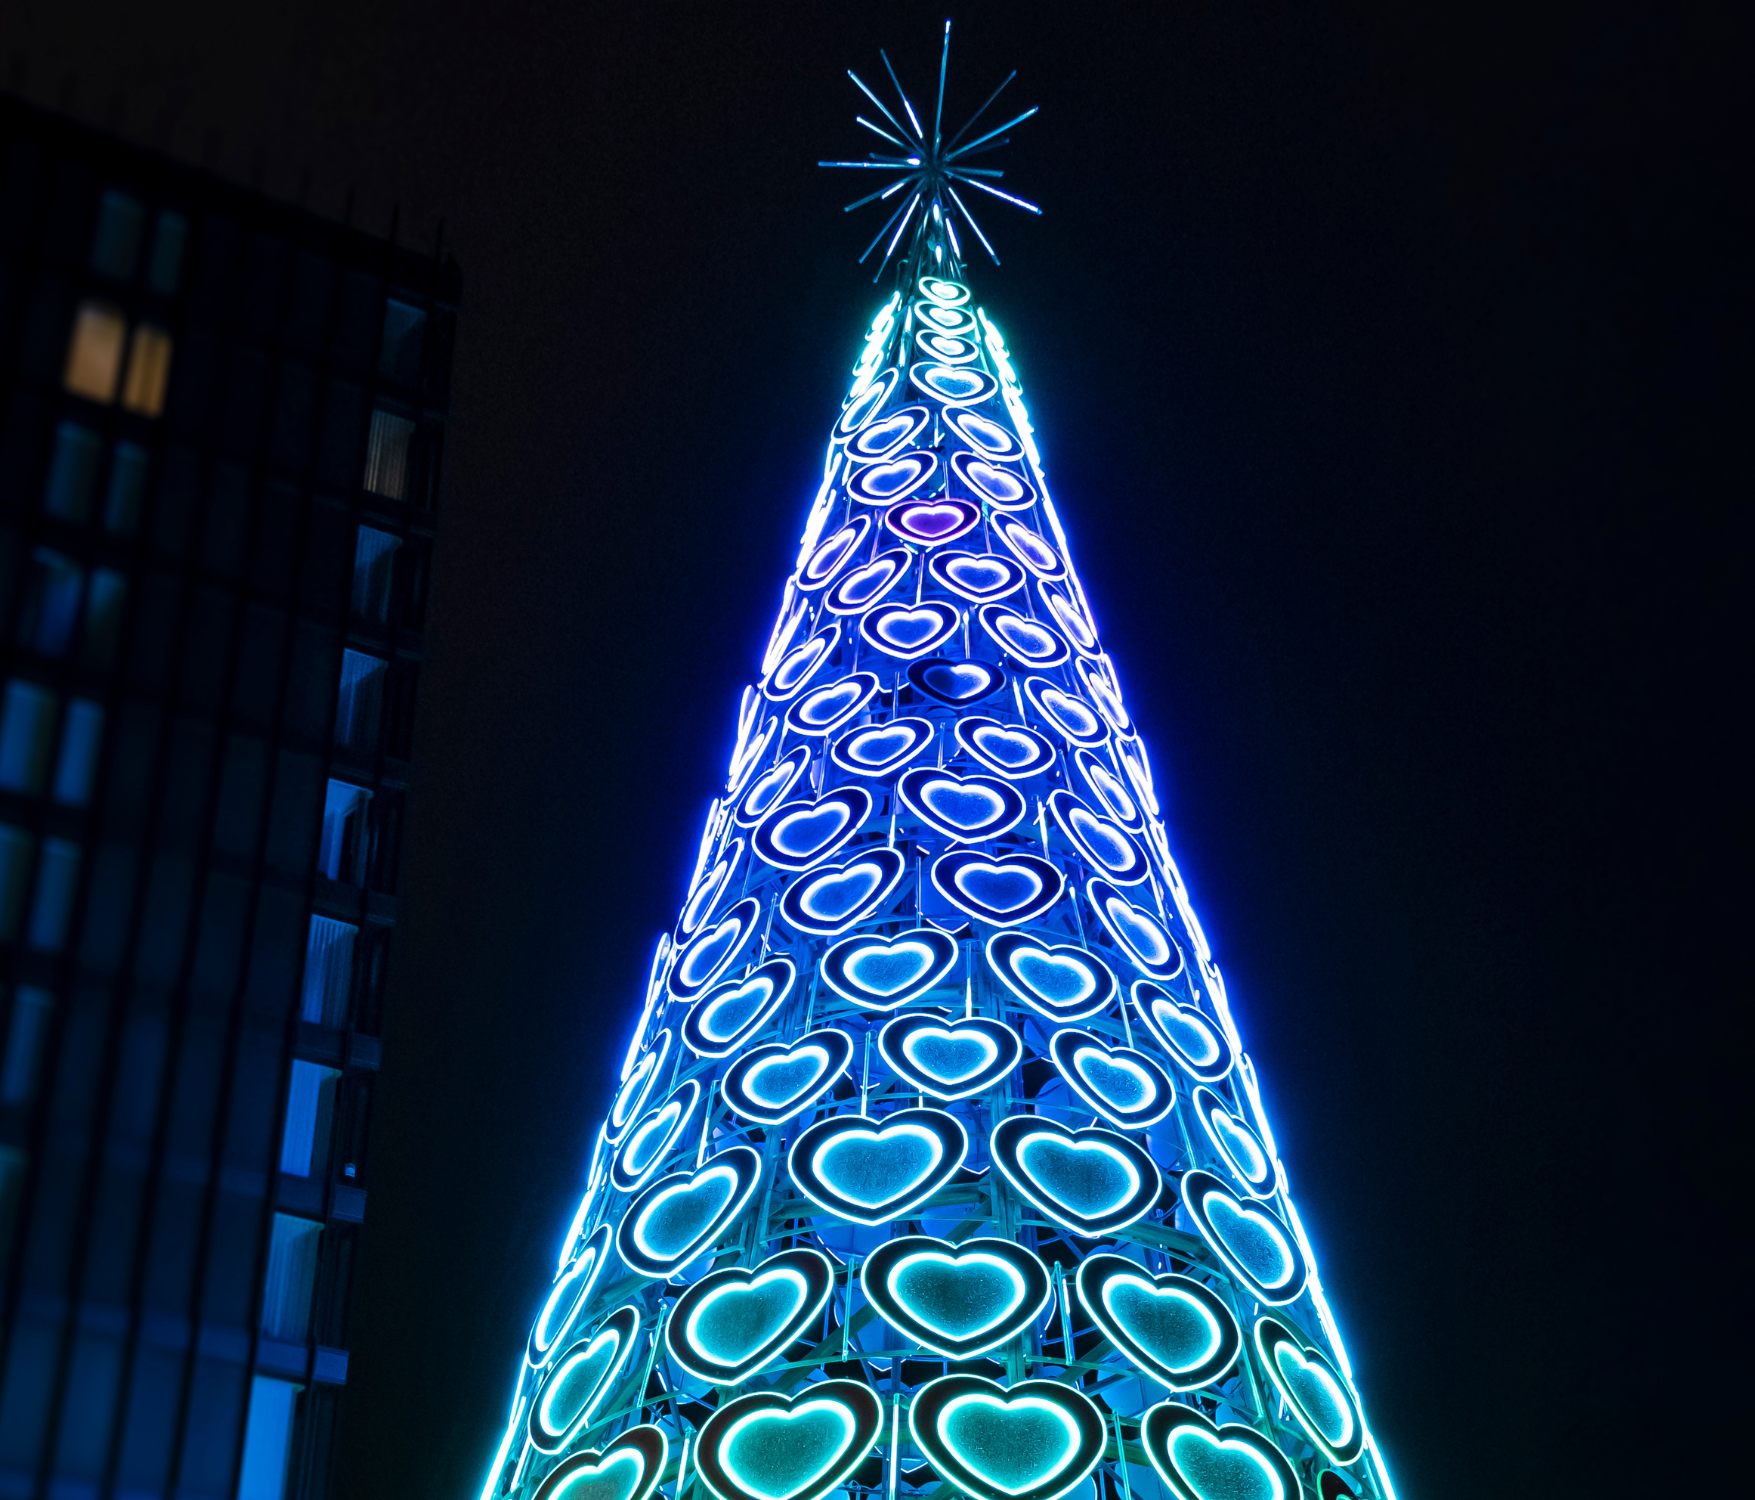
x,y
731,1013
1255,1245
1073,719
873,1171
1172,1327
1123,1085
968,808
800,664
1029,549
653,1139
683,1214
958,1300
955,385
945,319
1198,1046
769,789
1314,1389
949,1059
909,631
1102,691
1059,980
797,835
773,1083
1004,889
894,478
883,973
1066,612
578,1380
882,436
1000,487
1110,791
956,682
929,523
1138,932
881,749
865,585
731,1323
1034,1441
1238,1147
985,436
824,710
946,347
1008,750
832,898
1091,1181
832,554
1027,641
568,1297
713,884
714,950
642,1078
627,1469
1199,1461
863,407
945,292
1132,755
765,1446
980,578
1103,844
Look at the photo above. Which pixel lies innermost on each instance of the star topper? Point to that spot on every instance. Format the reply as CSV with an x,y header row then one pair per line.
x,y
930,168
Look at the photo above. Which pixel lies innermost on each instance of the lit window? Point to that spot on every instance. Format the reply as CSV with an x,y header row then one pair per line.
x,y
292,1267
16,848
103,616
94,354
267,1438
52,910
374,558
115,245
24,1043
81,738
328,971
310,1106
164,266
73,472
344,826
387,455
359,700
127,488
149,371
27,735
50,610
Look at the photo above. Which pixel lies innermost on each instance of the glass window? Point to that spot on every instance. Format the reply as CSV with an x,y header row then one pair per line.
x,y
310,1107
328,971
149,371
94,353
31,1008
103,616
292,1267
27,735
267,1438
164,266
374,558
16,848
399,355
73,472
115,245
344,827
127,489
386,455
360,700
81,738
50,610
57,876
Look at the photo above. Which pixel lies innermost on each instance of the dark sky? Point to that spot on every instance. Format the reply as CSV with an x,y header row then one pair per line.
x,y
1382,359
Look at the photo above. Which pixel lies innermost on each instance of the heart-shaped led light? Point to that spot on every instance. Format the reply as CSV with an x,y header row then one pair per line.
x,y
955,385
1001,487
1249,1237
1090,1181
862,587
768,790
1032,1442
1068,613
969,808
957,1300
1025,640
880,973
568,1297
1068,714
930,523
1101,841
731,1322
1199,1461
797,835
829,900
832,554
680,1215
1110,791
1008,750
945,347
1314,1389
908,631
883,436
772,1083
1132,755
1197,1045
1239,1147
976,576
642,1078
627,1469
579,1379
879,749
945,319
714,950
653,1139
893,479
712,884
949,1059
824,710
956,682
1100,688
1171,1327
731,1013
1029,549
749,753
765,1446
1122,1084
1138,932
987,437
945,292
800,664
862,407
1004,889
873,1171
1059,980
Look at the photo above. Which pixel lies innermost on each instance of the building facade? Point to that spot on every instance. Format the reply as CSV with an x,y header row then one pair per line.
x,y
220,424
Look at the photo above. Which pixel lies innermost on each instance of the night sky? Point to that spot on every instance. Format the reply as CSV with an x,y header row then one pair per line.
x,y
1381,360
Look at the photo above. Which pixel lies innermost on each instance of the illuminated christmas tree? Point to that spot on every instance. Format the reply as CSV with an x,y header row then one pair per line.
x,y
937,1166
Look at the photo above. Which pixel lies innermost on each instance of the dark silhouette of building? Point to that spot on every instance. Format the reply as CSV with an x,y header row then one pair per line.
x,y
220,422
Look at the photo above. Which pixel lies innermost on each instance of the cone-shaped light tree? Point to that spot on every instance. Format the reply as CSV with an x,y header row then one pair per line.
x,y
937,1166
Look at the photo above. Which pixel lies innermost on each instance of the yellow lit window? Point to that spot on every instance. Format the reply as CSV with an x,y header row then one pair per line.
x,y
94,354
149,371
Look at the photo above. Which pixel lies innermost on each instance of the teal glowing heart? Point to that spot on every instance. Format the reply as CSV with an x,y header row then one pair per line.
x,y
1314,1389
571,1293
765,1447
1238,1147
1171,1327
959,1300
1254,1243
731,1323
628,1469
1138,932
1199,1461
949,1059
1033,1441
653,1139
884,973
579,1380
714,950
1197,1045
729,1014
679,1216
1123,1085
831,898
1090,1181
873,1171
1059,980
772,1083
